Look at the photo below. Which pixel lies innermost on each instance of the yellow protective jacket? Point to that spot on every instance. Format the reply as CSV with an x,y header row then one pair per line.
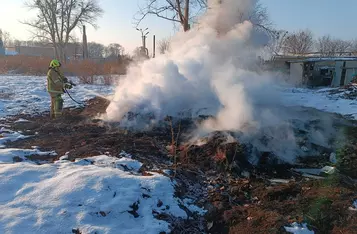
x,y
55,81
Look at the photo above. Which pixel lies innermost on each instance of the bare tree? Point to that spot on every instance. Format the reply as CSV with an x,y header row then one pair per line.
x,y
140,53
56,20
164,45
259,17
178,11
95,50
6,38
185,13
276,44
343,46
353,47
328,46
300,42
114,50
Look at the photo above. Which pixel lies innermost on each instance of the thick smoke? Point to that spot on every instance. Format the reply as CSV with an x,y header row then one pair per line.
x,y
211,69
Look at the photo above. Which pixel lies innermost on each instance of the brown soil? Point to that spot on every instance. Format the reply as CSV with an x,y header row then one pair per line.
x,y
235,204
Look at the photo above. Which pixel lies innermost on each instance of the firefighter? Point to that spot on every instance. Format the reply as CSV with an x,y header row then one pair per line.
x,y
56,83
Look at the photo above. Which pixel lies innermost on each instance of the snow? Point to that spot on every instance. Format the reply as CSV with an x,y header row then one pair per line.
x,y
93,198
28,95
7,155
7,135
21,120
319,99
124,163
298,229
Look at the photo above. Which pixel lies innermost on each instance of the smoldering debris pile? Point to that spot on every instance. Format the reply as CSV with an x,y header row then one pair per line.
x,y
302,133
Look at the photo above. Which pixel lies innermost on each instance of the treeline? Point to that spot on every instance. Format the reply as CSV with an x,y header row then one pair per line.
x,y
304,42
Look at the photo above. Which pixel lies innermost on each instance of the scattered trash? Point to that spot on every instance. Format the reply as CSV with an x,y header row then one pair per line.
x,y
328,170
279,181
304,148
311,171
313,176
315,172
298,229
333,158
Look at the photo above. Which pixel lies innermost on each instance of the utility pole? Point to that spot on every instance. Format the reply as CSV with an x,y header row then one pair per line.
x,y
85,45
154,45
143,38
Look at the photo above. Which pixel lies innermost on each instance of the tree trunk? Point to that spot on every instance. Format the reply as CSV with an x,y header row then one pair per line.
x,y
56,51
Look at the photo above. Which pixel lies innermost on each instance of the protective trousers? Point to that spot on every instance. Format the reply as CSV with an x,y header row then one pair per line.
x,y
56,105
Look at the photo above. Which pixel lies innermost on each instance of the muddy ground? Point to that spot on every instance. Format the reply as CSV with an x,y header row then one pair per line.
x,y
239,197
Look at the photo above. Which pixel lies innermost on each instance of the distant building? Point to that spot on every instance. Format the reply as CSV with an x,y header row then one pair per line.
x,y
329,71
10,52
73,51
32,51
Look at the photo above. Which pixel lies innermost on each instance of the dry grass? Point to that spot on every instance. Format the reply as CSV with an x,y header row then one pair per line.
x,y
86,70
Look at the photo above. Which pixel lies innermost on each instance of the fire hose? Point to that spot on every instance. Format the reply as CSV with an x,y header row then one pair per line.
x,y
69,95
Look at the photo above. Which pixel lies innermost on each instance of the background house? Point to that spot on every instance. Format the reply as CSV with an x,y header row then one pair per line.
x,y
73,51
329,71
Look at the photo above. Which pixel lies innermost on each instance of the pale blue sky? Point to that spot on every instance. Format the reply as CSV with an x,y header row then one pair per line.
x,y
335,17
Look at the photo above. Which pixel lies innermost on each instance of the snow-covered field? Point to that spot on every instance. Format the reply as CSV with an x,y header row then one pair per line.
x,y
100,194
93,195
321,100
27,94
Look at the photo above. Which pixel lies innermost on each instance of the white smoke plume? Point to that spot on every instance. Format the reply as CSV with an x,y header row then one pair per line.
x,y
212,66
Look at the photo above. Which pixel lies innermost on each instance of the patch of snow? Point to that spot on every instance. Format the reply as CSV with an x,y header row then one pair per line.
x,y
125,154
7,154
279,181
354,206
7,135
319,99
64,157
325,90
189,203
298,229
21,120
28,95
129,163
105,161
168,172
90,198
